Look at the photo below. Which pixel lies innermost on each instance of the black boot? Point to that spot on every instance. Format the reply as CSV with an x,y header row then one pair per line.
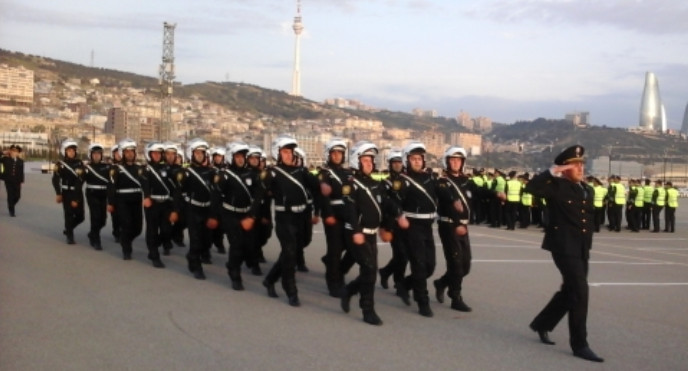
x,y
439,290
369,316
424,309
237,285
271,289
70,237
157,263
345,299
458,304
294,301
403,293
384,277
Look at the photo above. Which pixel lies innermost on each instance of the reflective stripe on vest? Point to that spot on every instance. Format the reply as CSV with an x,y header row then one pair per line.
x,y
620,194
647,196
672,197
514,191
661,196
600,194
639,197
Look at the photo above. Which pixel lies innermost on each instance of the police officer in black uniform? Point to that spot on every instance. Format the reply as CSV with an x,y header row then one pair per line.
x,y
332,178
236,203
416,191
568,237
115,159
454,216
287,184
13,175
193,195
68,179
396,266
300,160
170,170
218,163
125,196
263,226
97,179
366,208
158,188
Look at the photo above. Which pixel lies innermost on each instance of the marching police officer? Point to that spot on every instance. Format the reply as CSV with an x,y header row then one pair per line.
x,y
262,229
13,175
217,156
115,158
300,158
287,184
366,208
125,196
68,178
97,179
158,188
171,168
454,216
193,195
416,191
236,203
332,178
568,237
396,266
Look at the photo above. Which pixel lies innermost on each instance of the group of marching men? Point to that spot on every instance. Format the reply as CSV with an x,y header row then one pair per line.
x,y
501,199
231,192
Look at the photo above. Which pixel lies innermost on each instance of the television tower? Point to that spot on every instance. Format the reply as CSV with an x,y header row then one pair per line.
x,y
166,82
298,28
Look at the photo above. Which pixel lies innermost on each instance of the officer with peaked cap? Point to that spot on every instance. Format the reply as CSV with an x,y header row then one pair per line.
x,y
13,174
568,237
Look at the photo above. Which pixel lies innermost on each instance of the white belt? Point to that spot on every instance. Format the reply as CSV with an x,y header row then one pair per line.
x,y
95,186
421,216
236,209
336,202
198,203
370,230
446,219
129,190
294,209
160,197
69,188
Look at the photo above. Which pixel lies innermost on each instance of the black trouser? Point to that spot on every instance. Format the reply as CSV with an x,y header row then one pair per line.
x,y
617,211
241,244
307,238
114,218
630,218
510,214
421,253
637,217
656,210
158,227
73,216
130,213
365,256
219,235
647,214
262,234
495,211
397,265
97,209
336,246
669,219
200,237
571,299
523,216
289,231
599,217
457,253
13,189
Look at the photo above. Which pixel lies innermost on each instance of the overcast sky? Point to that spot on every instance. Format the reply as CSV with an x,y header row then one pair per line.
x,y
508,60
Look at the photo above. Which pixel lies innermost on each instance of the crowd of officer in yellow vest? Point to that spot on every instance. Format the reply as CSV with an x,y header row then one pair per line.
x,y
499,200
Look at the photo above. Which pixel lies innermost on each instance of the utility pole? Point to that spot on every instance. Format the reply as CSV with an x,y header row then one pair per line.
x,y
166,82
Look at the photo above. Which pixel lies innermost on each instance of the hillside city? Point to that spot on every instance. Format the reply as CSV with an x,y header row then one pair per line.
x,y
40,106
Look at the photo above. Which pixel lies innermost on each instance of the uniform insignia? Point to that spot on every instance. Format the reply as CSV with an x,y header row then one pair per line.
x,y
140,171
180,176
79,171
113,172
216,179
163,173
443,185
248,181
321,177
346,189
396,185
263,174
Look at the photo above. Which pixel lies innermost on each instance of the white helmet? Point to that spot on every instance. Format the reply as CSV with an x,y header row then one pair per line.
x,y
170,146
413,147
362,148
453,151
126,144
217,151
281,142
253,151
94,147
66,144
114,148
394,154
153,147
194,144
300,153
335,144
234,148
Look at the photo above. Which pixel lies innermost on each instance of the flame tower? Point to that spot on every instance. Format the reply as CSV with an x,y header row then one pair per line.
x,y
298,28
166,82
651,109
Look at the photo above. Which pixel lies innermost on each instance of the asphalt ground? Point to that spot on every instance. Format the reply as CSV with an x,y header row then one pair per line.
x,y
69,307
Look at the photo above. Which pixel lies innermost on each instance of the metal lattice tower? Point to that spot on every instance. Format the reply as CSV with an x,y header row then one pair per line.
x,y
166,82
298,28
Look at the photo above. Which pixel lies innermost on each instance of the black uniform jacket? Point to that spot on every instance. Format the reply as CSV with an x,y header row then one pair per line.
x,y
571,210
